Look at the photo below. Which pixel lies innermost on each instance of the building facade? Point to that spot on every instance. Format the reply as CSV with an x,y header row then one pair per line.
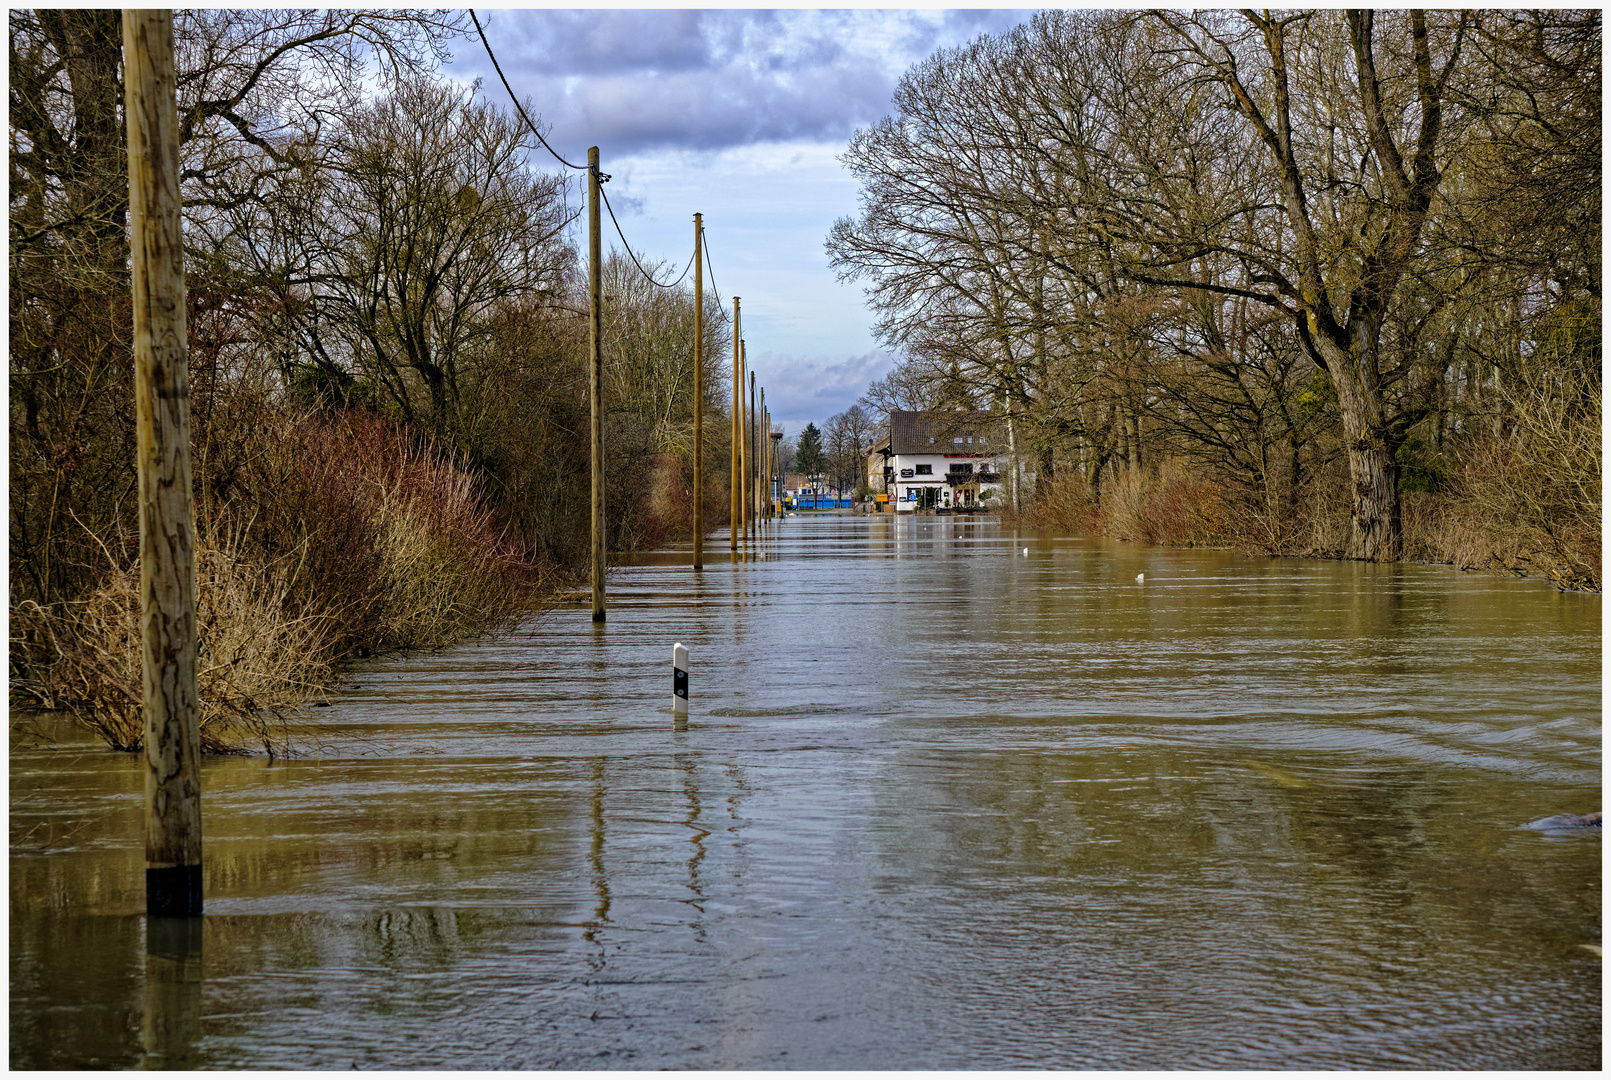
x,y
940,461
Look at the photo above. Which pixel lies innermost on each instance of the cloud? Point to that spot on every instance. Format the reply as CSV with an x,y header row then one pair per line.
x,y
812,389
640,80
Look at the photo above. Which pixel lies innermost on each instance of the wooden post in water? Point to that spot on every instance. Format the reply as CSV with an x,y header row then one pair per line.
x,y
755,471
699,395
746,460
777,464
162,433
763,487
595,349
735,484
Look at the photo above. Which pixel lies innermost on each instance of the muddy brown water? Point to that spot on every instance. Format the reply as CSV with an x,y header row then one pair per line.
x,y
942,803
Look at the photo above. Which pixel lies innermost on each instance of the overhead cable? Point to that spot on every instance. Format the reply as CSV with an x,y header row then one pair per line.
x,y
647,276
516,100
603,177
706,246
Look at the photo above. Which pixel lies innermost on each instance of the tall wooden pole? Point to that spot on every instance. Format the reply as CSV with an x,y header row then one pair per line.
x,y
699,393
745,458
755,471
776,439
595,343
763,487
162,433
735,485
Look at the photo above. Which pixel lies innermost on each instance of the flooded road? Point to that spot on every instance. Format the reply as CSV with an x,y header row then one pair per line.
x,y
943,802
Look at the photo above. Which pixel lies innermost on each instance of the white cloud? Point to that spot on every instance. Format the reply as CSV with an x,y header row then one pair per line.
x,y
634,80
801,390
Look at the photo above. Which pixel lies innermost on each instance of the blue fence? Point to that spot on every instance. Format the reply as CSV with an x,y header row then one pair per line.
x,y
820,502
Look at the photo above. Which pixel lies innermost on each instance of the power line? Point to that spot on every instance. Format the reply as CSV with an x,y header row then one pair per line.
x,y
706,246
516,100
647,276
603,177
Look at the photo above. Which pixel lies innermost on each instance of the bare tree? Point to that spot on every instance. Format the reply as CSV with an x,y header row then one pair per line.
x,y
1348,122
250,83
846,439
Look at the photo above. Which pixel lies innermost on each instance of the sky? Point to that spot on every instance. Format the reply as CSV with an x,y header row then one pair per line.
x,y
740,115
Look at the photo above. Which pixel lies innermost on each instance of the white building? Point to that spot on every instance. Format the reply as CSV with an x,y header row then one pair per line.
x,y
943,461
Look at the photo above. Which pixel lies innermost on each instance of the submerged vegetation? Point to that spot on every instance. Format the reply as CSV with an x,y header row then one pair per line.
x,y
387,345
1320,282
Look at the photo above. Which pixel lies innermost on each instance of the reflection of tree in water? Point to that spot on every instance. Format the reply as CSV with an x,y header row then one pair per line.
x,y
1419,863
1112,876
83,977
409,939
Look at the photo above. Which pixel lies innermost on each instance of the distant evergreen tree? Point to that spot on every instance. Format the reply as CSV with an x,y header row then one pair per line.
x,y
808,456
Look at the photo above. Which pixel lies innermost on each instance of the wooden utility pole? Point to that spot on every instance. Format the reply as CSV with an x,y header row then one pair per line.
x,y
735,485
595,345
755,445
699,394
776,438
745,458
162,433
762,486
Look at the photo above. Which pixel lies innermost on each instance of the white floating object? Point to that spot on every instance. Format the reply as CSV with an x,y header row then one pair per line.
x,y
1140,578
1026,551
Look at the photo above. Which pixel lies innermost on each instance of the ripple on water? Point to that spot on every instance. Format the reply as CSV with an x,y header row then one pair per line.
x,y
938,805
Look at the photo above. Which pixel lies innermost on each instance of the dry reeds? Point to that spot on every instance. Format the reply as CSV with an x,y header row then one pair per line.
x,y
1166,505
349,538
259,653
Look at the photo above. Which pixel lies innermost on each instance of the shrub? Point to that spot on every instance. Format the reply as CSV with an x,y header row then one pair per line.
x,y
344,537
259,653
1165,505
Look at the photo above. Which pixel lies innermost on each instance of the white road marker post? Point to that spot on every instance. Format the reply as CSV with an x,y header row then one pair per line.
x,y
679,682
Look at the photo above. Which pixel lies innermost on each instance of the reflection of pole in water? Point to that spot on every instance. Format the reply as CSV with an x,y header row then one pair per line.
x,y
690,791
601,884
172,1027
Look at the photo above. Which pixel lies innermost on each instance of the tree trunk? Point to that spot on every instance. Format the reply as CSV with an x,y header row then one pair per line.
x,y
1377,531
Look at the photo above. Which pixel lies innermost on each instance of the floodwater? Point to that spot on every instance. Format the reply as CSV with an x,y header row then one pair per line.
x,y
942,802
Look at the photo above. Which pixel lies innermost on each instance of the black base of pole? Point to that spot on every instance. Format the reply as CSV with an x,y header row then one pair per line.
x,y
173,892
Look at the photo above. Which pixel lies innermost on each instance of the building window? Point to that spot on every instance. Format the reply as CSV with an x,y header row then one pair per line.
x,y
957,441
925,470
